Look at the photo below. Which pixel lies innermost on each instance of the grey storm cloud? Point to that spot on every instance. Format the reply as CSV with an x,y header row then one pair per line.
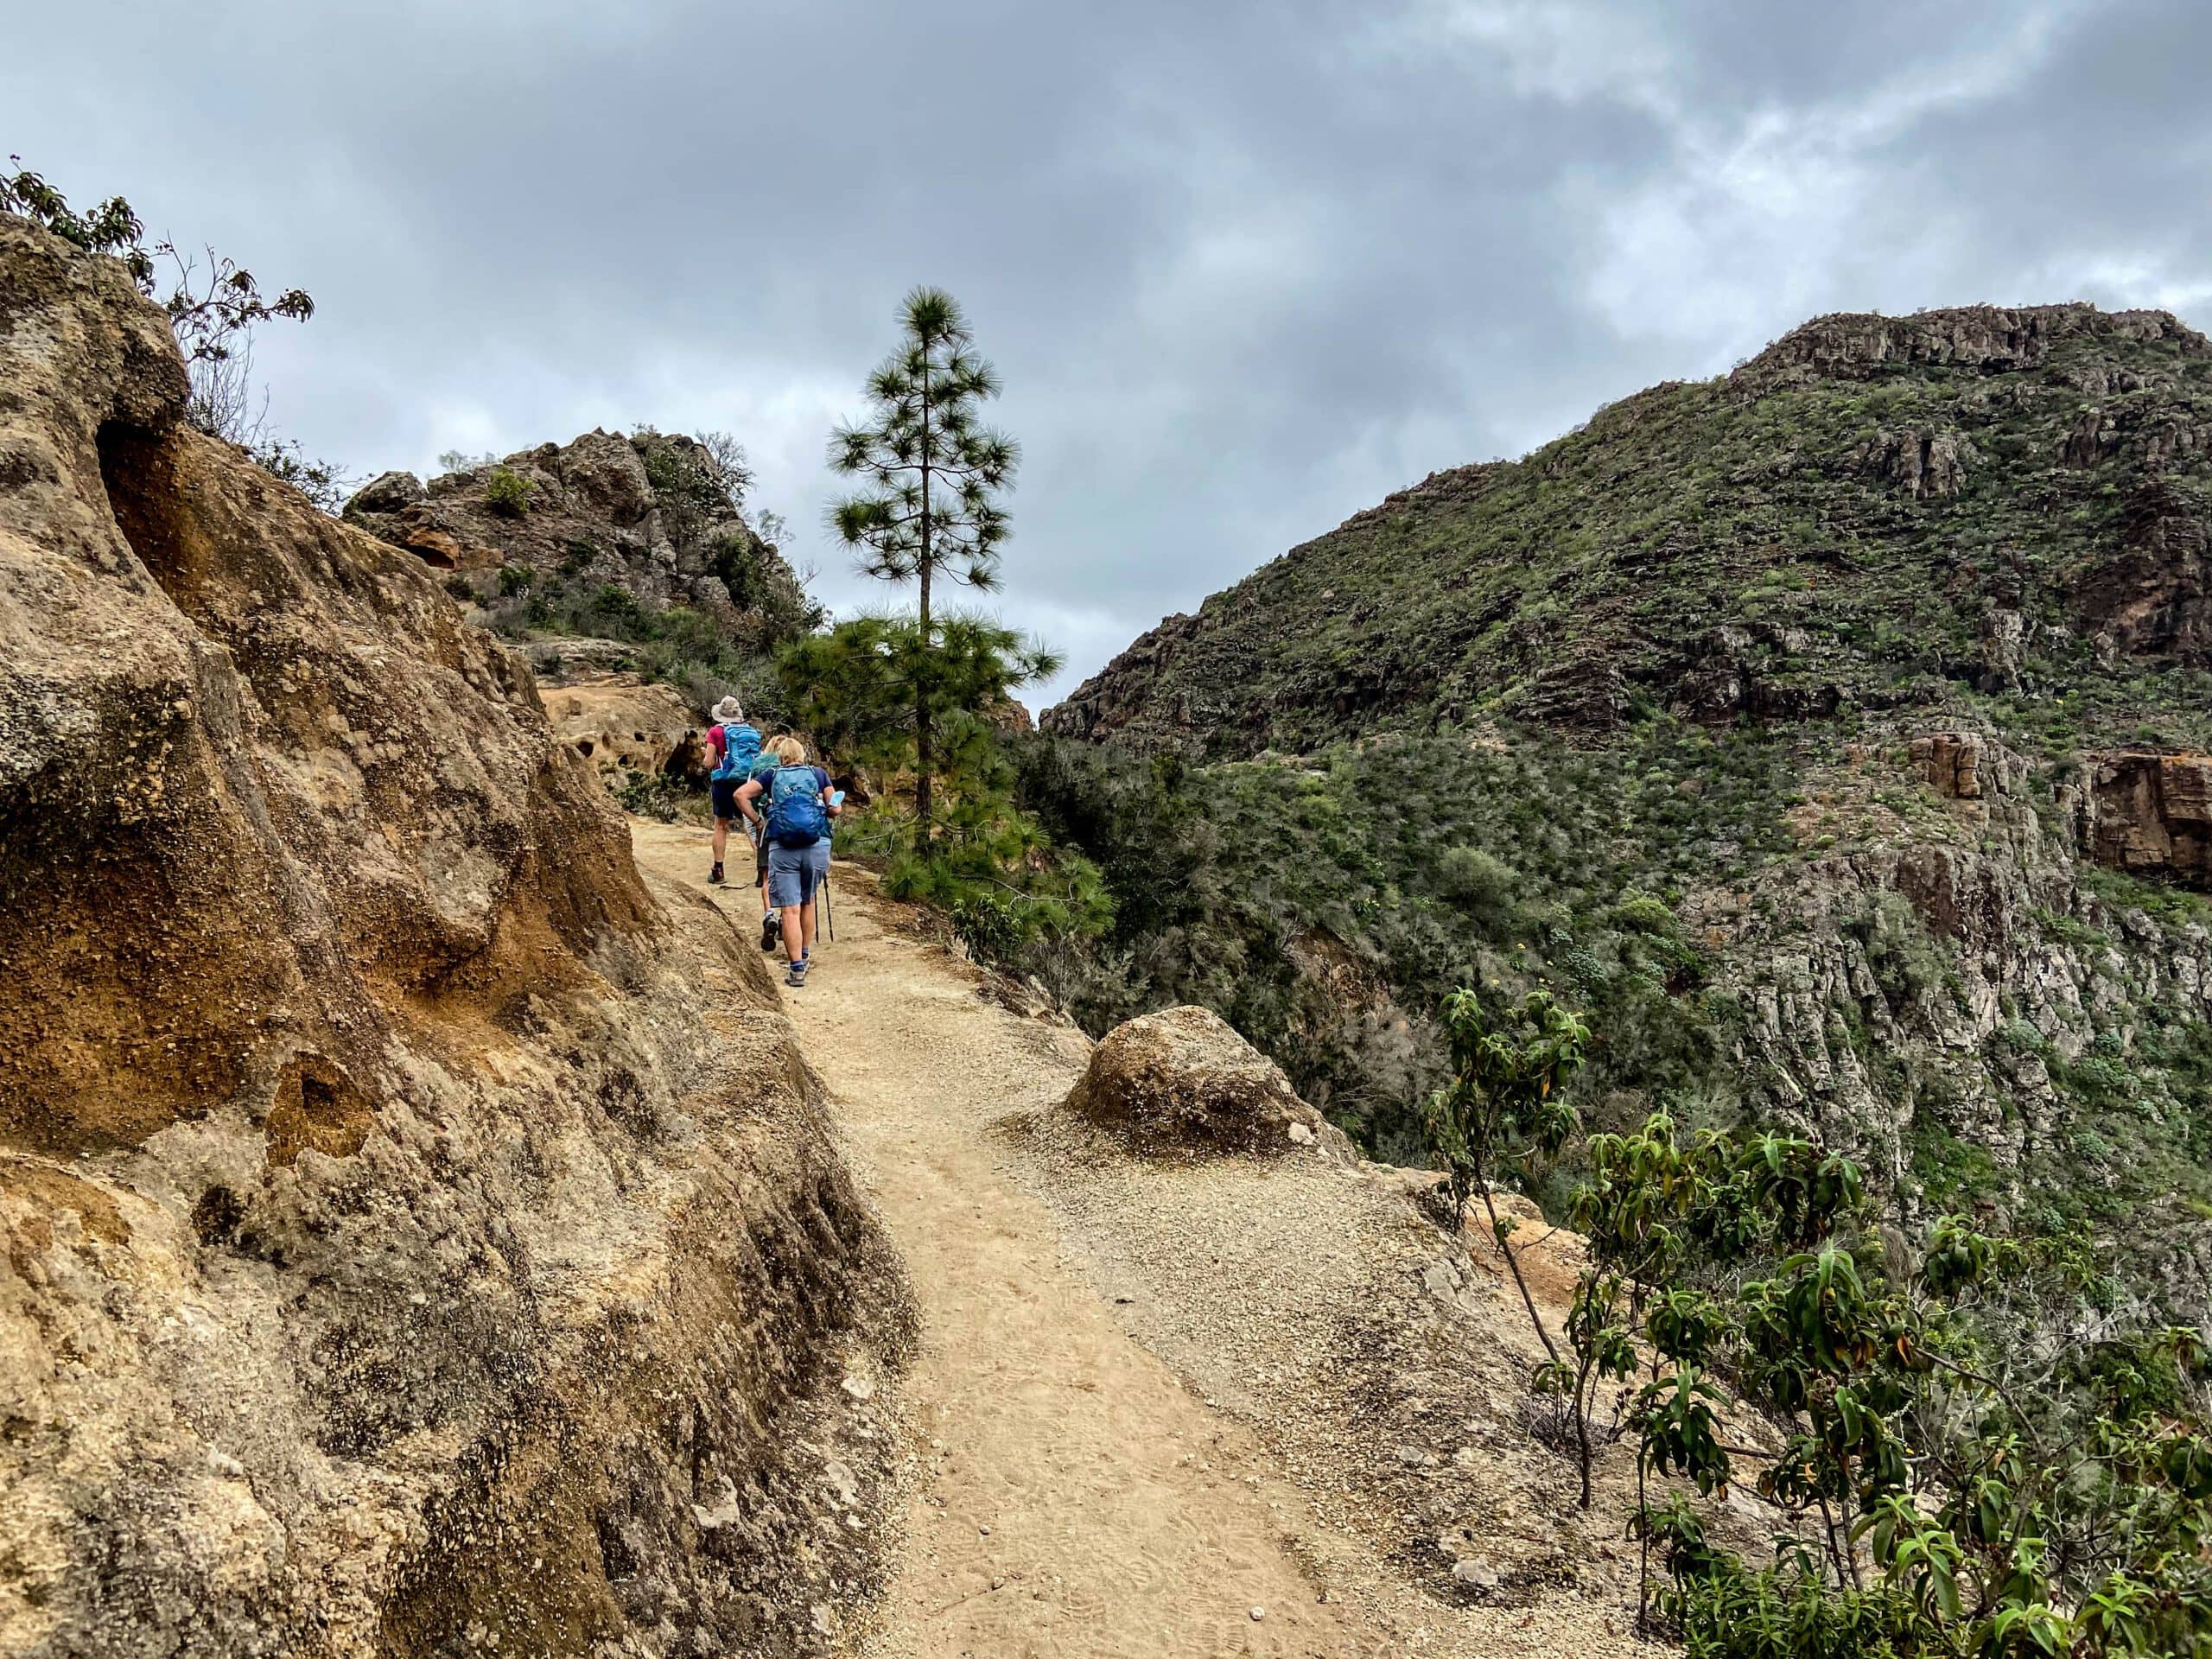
x,y
1245,267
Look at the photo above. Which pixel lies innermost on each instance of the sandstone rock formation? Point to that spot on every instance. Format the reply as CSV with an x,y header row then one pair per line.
x,y
629,727
1182,1080
417,1238
2151,814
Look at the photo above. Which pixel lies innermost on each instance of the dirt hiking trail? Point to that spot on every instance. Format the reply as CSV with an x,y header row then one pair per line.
x,y
1071,1496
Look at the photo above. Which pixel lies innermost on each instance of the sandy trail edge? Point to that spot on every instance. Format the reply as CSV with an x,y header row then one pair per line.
x,y
1076,1499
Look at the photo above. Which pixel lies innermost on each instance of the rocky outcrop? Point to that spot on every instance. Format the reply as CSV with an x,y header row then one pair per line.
x,y
589,513
1988,339
1182,1080
1964,981
1917,464
416,1237
2151,814
627,727
2151,593
1951,762
1128,689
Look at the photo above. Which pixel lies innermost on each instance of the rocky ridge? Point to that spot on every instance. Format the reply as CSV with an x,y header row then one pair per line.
x,y
653,515
2032,481
420,1234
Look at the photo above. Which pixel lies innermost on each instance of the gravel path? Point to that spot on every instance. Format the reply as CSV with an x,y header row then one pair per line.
x,y
1073,1495
1074,1499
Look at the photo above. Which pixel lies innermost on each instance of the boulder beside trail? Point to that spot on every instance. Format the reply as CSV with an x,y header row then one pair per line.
x,y
1182,1080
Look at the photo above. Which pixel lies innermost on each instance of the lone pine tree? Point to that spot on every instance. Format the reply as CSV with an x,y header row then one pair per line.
x,y
931,472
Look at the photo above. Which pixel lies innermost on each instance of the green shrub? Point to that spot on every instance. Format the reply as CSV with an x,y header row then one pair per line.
x,y
1483,886
1639,913
508,492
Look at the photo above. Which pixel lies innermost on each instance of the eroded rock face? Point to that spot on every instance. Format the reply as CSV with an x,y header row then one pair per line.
x,y
415,1236
1989,338
1182,1080
1951,762
2151,814
623,725
1917,464
2152,593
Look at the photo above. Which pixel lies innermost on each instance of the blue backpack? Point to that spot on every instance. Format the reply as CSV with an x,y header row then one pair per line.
x,y
796,817
741,748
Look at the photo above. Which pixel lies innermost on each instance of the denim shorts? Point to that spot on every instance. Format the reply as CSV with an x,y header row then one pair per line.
x,y
795,872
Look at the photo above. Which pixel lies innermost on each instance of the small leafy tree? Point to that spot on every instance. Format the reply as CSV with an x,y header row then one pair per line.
x,y
1973,1452
508,492
928,507
1503,1107
213,305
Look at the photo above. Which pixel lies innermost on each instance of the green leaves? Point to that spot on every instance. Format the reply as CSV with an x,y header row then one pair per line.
x,y
508,492
1680,1430
861,688
1503,1105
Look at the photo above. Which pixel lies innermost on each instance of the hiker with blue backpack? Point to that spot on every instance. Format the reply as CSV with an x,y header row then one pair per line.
x,y
733,745
795,801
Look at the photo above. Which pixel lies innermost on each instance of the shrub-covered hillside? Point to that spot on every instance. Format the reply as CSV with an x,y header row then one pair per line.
x,y
1830,733
1870,512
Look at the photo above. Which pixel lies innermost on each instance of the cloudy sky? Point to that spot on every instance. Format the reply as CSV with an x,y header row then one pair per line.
x,y
1245,267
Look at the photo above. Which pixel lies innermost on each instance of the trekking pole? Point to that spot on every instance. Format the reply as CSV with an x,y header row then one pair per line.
x,y
829,918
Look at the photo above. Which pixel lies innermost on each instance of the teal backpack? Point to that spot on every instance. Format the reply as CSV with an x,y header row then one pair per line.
x,y
741,748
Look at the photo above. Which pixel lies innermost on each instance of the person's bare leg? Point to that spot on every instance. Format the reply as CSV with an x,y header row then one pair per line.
x,y
721,837
794,941
806,924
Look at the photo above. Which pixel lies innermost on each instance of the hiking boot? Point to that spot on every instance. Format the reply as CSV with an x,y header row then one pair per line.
x,y
715,876
797,976
772,931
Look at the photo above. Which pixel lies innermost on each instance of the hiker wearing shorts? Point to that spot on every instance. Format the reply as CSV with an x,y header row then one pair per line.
x,y
794,800
772,932
731,746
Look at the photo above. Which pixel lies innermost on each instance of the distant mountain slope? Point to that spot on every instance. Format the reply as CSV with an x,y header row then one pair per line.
x,y
1869,513
1833,734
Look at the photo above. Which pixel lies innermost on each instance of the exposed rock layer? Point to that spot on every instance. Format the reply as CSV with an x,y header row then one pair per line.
x,y
417,1237
2151,814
